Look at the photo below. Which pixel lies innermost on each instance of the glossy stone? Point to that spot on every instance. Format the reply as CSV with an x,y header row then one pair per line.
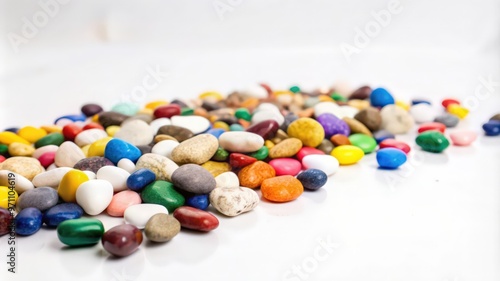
x,y
70,183
312,179
92,164
162,228
281,189
80,232
380,97
179,133
114,175
28,221
50,139
162,193
238,160
91,109
390,158
326,163
121,201
122,240
370,117
94,196
47,159
200,201
254,174
139,214
356,127
243,142
366,143
447,102
197,150
117,149
463,138
41,198
260,154
361,93
395,144
286,166
448,120
492,128
167,111
140,179
304,151
62,212
5,221
196,124
195,219
432,141
266,129
31,134
432,126
347,154
382,135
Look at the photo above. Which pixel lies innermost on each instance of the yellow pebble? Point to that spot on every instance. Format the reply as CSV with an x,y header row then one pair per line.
x,y
52,129
403,105
457,110
216,168
9,137
111,130
325,98
359,104
85,150
21,149
269,144
221,125
154,104
308,130
5,197
70,183
31,133
347,154
211,96
97,147
278,93
146,111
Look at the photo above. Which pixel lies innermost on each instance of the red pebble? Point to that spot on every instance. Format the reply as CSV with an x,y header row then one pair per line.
x,y
238,160
5,221
167,111
432,126
122,240
93,126
447,102
70,131
395,144
2,158
47,158
304,151
195,219
266,129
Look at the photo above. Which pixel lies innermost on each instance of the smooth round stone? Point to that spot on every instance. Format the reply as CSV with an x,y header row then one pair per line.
x,y
308,130
227,180
122,240
370,117
347,154
243,113
161,166
390,158
326,163
349,111
21,184
135,132
121,201
126,108
264,115
50,139
193,178
449,120
266,129
216,168
339,139
110,118
47,159
91,109
167,111
238,160
126,164
195,124
5,221
98,147
44,149
7,138
68,154
139,214
70,131
326,146
179,133
62,212
396,120
254,174
305,151
114,175
195,219
31,133
92,164
165,148
198,150
162,228
216,132
50,178
382,135
380,97
94,196
28,221
286,148
242,142
6,199
89,136
25,166
286,166
463,138
281,189
491,128
117,149
156,124
356,127
162,193
395,144
333,125
328,107
232,202
254,91
361,93
457,110
20,149
70,118
80,232
432,126
312,179
422,113
140,179
432,141
200,201
41,198
366,143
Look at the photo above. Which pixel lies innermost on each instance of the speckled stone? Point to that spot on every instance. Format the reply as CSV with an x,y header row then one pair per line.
x,y
92,164
234,201
286,148
197,150
41,198
162,228
25,166
161,166
193,178
312,179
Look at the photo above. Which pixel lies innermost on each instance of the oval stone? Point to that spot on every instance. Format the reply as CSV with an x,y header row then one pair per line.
x,y
234,201
491,128
195,219
422,113
286,148
80,232
122,240
347,154
89,136
28,221
395,144
254,174
50,139
162,193
162,228
139,214
111,118
286,166
197,150
242,142
266,129
94,196
435,126
114,175
281,189
193,178
117,149
62,212
304,151
200,201
390,158
70,183
135,132
312,179
25,166
121,201
380,97
5,221
161,166
333,125
308,130
463,138
140,179
179,133
21,184
432,141
366,143
41,198
449,120
326,163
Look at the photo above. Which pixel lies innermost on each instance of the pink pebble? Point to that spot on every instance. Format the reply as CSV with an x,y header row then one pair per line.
x,y
2,158
121,201
286,166
47,158
463,138
304,151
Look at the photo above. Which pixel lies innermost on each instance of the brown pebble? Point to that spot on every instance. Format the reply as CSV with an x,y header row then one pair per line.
x,y
340,139
326,146
495,117
370,117
361,93
179,133
356,126
159,138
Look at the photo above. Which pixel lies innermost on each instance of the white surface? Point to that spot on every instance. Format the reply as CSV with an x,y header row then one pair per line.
x,y
435,219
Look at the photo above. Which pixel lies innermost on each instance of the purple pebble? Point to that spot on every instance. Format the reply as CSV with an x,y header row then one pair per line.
x,y
333,125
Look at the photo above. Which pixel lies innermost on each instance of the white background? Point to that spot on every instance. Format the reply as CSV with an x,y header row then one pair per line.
x,y
435,219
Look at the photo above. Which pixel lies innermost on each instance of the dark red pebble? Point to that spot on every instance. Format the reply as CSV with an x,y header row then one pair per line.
x,y
5,221
167,111
432,126
395,144
361,93
238,160
122,240
266,129
70,131
195,219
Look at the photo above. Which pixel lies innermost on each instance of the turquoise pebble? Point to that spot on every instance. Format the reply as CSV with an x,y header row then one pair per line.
x,y
236,127
126,108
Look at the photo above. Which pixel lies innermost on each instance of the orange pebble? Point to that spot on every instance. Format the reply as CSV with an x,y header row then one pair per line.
x,y
340,139
254,174
306,112
281,189
250,103
201,112
245,124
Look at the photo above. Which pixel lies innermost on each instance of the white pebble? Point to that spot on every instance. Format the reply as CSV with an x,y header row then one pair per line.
x,y
422,113
50,178
234,201
68,154
256,91
158,123
227,180
136,132
89,136
263,115
21,185
41,150
241,141
325,163
139,214
126,164
114,175
94,196
195,124
165,148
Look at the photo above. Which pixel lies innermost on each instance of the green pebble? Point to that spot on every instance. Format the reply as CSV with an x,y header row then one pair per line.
x,y
126,108
260,154
236,127
220,155
186,111
4,149
338,97
162,193
52,138
243,113
295,89
365,142
432,141
80,232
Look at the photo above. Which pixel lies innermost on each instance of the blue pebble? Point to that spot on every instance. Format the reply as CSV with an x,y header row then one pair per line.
x,y
492,128
390,158
140,178
216,132
312,179
381,135
236,127
13,130
117,149
417,101
380,97
74,117
198,201
59,213
28,221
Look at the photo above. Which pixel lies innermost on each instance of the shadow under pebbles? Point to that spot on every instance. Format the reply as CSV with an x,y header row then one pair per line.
x,y
79,261
124,268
